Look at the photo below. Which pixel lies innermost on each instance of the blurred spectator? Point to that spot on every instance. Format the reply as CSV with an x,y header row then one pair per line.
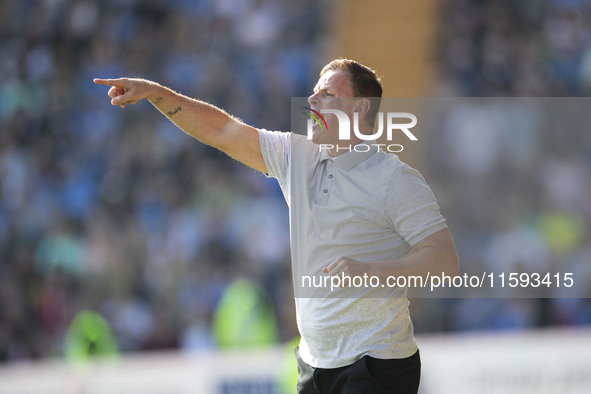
x,y
513,184
118,211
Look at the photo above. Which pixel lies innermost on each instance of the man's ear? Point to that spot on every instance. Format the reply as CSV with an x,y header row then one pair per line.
x,y
362,106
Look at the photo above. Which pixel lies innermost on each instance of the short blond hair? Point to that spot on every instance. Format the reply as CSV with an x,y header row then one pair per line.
x,y
364,80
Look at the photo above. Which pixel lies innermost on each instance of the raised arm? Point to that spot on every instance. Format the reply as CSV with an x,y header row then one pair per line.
x,y
205,122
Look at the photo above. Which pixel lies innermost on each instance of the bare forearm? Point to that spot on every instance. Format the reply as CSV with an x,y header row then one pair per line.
x,y
196,118
435,255
207,123
431,260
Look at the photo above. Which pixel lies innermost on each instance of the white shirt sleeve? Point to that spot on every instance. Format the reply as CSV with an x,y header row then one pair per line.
x,y
276,150
412,207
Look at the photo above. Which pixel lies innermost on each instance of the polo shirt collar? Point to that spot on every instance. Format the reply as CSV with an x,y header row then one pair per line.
x,y
348,160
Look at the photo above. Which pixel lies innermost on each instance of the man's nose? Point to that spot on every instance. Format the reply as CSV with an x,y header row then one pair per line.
x,y
313,99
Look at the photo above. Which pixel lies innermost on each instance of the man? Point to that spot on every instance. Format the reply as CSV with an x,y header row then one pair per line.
x,y
353,212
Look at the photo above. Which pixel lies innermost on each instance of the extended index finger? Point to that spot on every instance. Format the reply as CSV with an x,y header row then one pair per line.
x,y
107,82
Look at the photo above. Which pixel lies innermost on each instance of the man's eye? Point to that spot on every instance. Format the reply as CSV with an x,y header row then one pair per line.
x,y
328,94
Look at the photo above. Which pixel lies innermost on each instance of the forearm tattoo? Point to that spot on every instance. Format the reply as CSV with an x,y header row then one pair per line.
x,y
158,100
171,113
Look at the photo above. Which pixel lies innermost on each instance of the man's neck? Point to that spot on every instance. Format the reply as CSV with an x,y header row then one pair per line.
x,y
344,147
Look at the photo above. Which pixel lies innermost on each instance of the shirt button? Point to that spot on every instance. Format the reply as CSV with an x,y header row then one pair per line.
x,y
325,191
331,176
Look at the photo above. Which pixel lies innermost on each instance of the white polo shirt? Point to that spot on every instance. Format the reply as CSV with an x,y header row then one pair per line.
x,y
366,205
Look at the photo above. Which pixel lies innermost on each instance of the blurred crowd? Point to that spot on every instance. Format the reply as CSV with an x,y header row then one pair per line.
x,y
513,176
117,211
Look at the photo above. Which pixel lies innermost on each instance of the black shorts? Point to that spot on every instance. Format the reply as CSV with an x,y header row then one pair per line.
x,y
366,375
